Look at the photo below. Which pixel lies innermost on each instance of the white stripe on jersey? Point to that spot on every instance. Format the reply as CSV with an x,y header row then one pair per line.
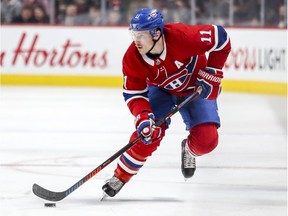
x,y
216,39
133,172
135,91
133,160
135,97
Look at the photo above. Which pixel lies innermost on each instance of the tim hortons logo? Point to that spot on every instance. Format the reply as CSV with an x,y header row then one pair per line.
x,y
68,54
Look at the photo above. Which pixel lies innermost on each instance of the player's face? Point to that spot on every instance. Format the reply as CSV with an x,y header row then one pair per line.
x,y
143,40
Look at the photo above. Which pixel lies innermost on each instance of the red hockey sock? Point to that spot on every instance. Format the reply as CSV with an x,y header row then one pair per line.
x,y
133,159
203,139
128,165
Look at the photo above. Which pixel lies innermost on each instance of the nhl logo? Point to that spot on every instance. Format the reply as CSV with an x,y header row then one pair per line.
x,y
158,62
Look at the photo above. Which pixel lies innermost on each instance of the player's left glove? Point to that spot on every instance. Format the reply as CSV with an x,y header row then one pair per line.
x,y
145,126
210,81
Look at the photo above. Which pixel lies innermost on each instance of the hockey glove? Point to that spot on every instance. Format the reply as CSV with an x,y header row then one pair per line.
x,y
210,81
145,126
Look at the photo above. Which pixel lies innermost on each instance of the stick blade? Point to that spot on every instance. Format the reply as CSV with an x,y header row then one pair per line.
x,y
46,194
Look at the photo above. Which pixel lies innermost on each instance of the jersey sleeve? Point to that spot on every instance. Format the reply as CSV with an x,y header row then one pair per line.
x,y
211,39
135,89
221,49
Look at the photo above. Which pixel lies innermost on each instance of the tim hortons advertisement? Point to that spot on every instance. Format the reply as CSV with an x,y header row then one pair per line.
x,y
63,50
69,54
257,54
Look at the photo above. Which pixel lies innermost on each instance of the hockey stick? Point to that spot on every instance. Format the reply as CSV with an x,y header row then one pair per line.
x,y
57,196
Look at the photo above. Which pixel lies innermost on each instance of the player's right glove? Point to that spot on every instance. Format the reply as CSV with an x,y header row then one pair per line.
x,y
210,81
145,126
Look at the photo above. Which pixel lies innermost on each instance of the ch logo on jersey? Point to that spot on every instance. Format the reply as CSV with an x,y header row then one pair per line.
x,y
176,83
180,80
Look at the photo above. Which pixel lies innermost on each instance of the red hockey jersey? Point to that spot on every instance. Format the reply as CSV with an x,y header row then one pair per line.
x,y
176,69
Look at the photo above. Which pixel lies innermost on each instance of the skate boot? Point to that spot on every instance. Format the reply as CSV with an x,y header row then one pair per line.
x,y
112,186
188,162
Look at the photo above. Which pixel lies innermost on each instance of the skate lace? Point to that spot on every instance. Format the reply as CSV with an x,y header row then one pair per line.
x,y
189,160
115,183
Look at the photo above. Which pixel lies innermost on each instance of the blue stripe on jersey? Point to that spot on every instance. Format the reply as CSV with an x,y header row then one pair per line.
x,y
131,163
128,96
222,36
190,66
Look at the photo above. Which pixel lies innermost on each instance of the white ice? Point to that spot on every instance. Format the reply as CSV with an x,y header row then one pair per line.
x,y
55,136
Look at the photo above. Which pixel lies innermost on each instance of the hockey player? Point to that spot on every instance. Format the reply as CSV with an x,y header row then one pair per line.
x,y
163,65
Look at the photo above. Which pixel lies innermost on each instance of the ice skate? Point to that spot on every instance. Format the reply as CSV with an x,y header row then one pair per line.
x,y
188,162
112,187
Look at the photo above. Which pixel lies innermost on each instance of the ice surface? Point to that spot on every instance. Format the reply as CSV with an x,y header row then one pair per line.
x,y
55,136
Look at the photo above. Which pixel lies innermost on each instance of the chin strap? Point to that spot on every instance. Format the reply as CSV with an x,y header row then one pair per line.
x,y
155,41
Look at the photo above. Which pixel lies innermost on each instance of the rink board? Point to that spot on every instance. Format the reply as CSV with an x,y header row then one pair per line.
x,y
91,56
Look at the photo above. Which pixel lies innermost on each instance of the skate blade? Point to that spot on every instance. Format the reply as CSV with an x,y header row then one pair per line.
x,y
104,197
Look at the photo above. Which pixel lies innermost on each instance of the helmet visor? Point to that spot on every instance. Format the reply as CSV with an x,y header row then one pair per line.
x,y
140,35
